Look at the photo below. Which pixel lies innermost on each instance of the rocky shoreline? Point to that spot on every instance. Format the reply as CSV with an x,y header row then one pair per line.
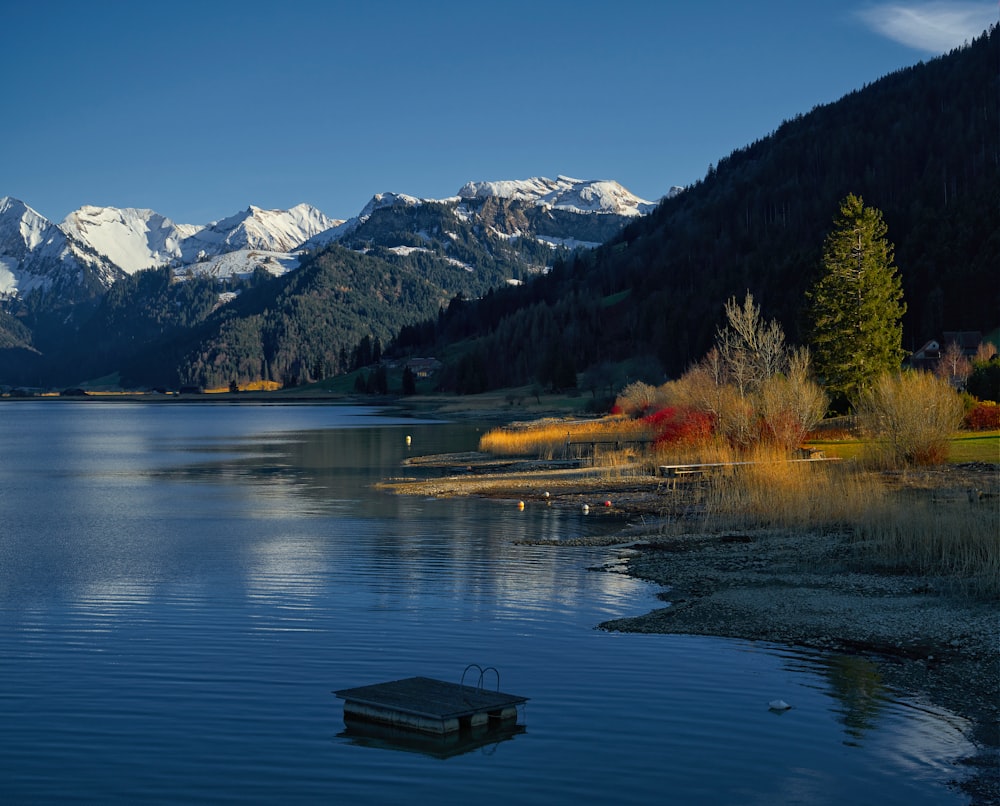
x,y
790,587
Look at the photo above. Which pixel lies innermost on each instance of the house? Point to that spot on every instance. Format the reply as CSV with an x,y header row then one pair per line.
x,y
423,367
927,357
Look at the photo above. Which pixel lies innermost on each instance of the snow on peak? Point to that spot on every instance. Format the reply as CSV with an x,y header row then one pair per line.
x,y
132,238
136,239
256,228
35,253
23,229
564,193
382,200
341,229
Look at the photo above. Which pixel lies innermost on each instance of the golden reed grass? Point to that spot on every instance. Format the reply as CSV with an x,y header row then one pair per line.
x,y
761,489
954,539
889,530
548,439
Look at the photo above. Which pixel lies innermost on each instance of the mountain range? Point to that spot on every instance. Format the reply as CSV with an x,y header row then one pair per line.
x,y
105,242
55,279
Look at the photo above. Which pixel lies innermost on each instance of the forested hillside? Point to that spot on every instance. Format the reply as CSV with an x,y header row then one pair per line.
x,y
400,264
922,145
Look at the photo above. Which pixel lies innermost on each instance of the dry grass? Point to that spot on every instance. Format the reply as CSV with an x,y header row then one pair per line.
x,y
955,539
952,539
547,439
769,491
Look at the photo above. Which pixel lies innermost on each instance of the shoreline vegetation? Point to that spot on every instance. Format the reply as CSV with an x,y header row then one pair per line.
x,y
899,567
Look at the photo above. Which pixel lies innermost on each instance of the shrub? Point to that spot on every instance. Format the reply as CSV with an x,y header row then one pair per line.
x,y
984,416
791,405
910,418
677,425
636,399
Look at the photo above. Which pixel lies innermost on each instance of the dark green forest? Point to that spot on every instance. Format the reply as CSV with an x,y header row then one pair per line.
x,y
922,145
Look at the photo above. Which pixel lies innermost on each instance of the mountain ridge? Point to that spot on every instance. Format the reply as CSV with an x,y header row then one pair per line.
x,y
175,293
133,239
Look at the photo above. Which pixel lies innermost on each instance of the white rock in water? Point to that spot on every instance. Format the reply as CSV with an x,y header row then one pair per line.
x,y
778,705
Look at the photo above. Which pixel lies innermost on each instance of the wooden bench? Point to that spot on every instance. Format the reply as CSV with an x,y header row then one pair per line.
x,y
674,472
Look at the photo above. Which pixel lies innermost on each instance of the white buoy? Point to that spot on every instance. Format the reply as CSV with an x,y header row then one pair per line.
x,y
586,508
778,705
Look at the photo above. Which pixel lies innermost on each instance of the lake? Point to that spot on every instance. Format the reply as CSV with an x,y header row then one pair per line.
x,y
183,585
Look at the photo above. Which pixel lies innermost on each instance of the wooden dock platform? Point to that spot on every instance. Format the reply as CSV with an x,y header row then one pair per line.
x,y
428,705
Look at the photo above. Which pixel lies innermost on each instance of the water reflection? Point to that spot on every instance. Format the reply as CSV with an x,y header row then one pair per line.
x,y
926,736
484,738
203,576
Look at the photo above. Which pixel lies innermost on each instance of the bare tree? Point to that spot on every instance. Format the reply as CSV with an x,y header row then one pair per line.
x,y
749,349
953,366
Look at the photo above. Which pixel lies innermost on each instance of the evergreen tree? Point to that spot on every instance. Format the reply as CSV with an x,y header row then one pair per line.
x,y
409,382
856,306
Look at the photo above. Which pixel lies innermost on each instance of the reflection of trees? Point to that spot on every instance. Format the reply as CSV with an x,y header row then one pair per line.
x,y
857,683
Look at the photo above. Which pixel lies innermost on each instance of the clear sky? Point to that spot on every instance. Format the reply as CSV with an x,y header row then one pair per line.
x,y
199,109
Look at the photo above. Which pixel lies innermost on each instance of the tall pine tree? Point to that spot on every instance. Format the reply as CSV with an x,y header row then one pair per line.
x,y
856,306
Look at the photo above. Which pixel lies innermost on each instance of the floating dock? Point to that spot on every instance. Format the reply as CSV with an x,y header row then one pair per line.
x,y
428,705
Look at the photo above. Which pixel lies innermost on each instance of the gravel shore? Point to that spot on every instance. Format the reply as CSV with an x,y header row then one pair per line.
x,y
790,587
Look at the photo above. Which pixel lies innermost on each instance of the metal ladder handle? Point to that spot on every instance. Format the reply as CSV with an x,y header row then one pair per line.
x,y
489,669
482,674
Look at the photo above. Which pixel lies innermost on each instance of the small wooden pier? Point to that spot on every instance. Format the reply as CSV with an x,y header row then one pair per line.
x,y
428,705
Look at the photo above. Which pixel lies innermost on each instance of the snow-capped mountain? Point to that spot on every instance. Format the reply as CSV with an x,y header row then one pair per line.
x,y
94,246
139,239
254,228
36,255
133,238
579,198
564,193
380,201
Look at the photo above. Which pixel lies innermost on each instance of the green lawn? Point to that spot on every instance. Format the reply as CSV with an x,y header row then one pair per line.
x,y
966,446
975,446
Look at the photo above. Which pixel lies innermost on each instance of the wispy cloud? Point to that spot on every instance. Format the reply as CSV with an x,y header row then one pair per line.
x,y
933,27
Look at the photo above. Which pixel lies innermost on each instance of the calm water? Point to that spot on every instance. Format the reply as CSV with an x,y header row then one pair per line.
x,y
182,586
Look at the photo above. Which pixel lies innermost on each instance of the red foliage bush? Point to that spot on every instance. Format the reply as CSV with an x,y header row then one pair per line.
x,y
984,416
678,425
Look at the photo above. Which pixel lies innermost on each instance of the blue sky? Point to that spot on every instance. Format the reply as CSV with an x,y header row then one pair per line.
x,y
198,109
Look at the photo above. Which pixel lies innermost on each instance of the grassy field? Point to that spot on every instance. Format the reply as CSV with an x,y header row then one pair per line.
x,y
966,446
975,446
